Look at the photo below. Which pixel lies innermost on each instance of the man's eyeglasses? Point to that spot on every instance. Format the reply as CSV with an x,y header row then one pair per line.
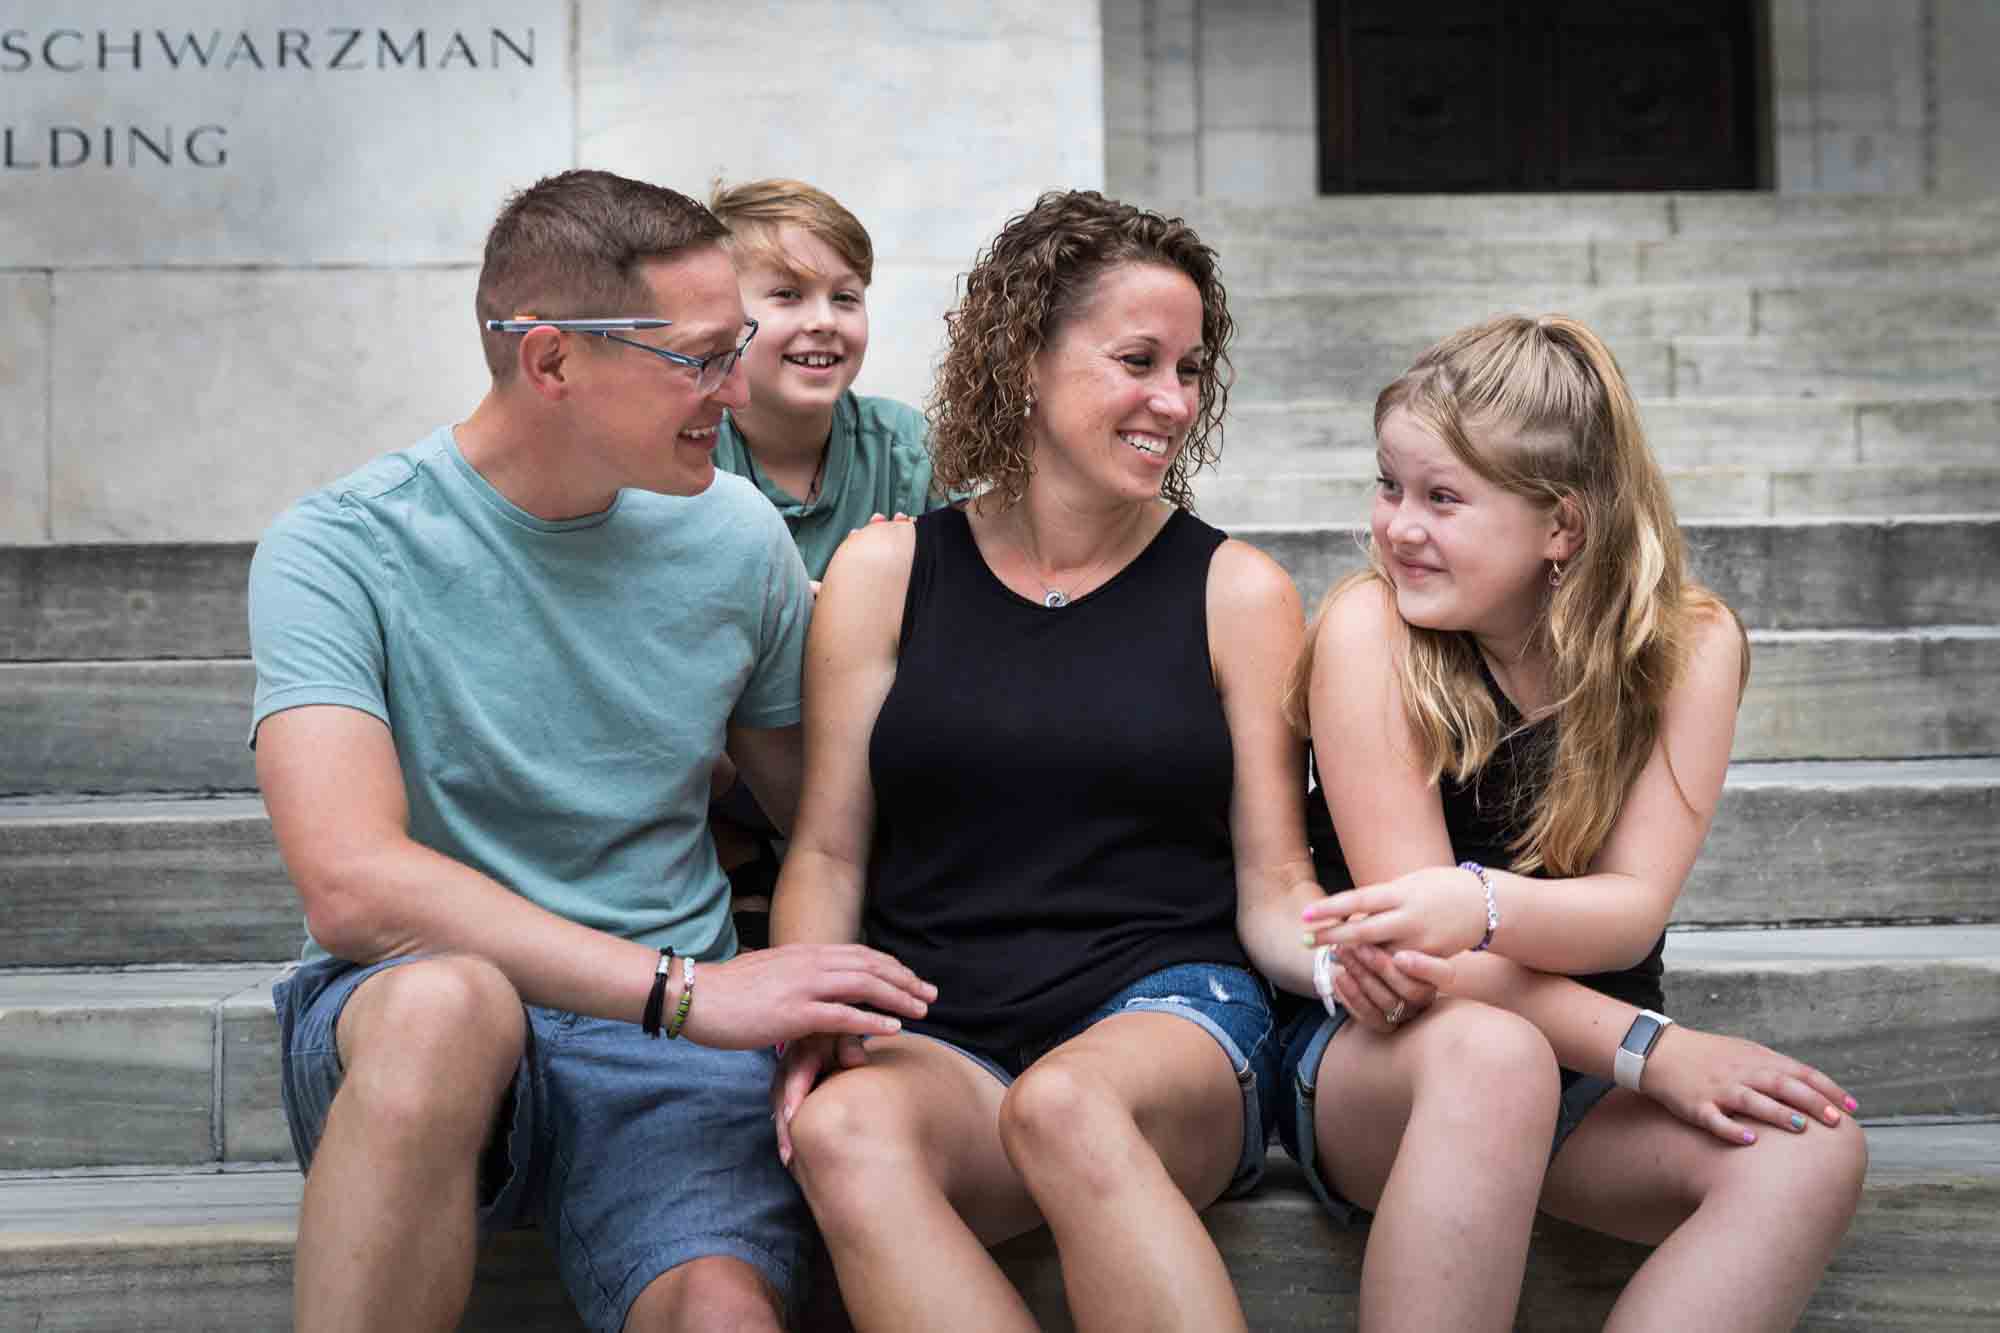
x,y
709,371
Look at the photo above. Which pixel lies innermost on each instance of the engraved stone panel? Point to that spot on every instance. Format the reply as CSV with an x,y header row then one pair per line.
x,y
196,406
24,407
221,131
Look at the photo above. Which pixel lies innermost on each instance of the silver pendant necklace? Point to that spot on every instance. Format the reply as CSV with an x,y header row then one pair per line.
x,y
1053,597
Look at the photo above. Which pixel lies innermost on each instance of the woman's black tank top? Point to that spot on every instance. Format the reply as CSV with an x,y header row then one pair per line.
x,y
1484,816
1052,788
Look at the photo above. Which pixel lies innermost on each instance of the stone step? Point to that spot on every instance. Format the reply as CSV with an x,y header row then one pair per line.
x,y
1955,366
1808,573
1304,324
199,881
179,1067
1886,257
1325,434
1580,216
124,600
167,881
213,1252
133,727
1819,490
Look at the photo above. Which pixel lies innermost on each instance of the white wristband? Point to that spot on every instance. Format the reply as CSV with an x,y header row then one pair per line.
x,y
1628,1066
1323,977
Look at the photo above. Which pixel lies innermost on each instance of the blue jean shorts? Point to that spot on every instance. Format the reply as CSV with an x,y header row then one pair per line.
x,y
1230,1004
634,1156
1302,1044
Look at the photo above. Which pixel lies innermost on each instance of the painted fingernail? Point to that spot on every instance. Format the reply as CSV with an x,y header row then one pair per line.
x,y
1852,1105
1748,1137
1307,938
1798,1122
1832,1116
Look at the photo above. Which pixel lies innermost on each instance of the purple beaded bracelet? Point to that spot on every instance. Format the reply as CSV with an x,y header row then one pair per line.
x,y
1492,908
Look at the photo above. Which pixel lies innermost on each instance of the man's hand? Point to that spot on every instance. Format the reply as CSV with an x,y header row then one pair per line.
x,y
795,990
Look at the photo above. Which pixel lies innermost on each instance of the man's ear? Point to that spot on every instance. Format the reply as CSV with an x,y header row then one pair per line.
x,y
542,362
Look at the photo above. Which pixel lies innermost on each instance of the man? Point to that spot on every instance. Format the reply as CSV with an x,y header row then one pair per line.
x,y
495,672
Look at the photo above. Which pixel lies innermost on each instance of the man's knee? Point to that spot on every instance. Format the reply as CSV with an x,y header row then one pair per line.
x,y
435,1041
716,1294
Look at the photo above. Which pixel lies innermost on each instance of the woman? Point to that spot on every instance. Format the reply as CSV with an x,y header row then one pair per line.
x,y
1521,715
1046,765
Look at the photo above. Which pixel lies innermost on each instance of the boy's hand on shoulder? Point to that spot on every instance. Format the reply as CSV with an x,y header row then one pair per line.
x,y
793,990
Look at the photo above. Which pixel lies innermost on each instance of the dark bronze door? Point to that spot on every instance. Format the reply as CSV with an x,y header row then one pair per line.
x,y
1467,95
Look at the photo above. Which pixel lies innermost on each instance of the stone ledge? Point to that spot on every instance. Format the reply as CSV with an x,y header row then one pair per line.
x,y
213,1252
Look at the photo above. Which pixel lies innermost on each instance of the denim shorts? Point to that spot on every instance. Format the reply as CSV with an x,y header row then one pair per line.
x,y
1302,1044
633,1155
1230,1004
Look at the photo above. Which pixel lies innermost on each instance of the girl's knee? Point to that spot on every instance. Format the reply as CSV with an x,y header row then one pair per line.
x,y
846,1134
1058,1113
1496,1055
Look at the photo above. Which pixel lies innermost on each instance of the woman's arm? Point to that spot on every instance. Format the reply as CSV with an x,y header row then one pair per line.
x,y
1602,921
1255,631
850,665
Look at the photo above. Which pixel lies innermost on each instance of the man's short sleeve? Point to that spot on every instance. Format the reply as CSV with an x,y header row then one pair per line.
x,y
772,696
316,626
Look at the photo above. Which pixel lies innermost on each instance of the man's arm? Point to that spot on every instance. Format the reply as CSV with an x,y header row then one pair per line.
x,y
335,794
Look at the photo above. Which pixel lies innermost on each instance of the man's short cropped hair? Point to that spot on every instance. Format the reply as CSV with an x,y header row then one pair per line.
x,y
755,210
570,246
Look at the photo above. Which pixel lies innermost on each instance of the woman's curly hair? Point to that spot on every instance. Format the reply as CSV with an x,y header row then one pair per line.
x,y
1035,277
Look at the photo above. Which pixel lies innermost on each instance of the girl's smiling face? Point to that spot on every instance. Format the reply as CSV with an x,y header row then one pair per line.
x,y
1463,552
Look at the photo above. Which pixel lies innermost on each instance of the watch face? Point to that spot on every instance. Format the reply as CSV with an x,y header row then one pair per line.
x,y
1644,1032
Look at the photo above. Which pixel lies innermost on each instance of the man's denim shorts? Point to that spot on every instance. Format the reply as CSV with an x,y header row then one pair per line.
x,y
634,1155
1302,1044
1228,1003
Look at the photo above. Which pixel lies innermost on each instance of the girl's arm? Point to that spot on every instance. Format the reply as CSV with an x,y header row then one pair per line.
x,y
1602,921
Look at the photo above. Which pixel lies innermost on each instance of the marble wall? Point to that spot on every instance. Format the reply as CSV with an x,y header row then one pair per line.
x,y
238,241
1216,97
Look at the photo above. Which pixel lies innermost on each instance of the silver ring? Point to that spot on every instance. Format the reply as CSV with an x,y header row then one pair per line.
x,y
1395,1015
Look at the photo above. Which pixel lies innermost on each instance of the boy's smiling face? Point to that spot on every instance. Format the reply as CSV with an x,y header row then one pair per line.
x,y
812,326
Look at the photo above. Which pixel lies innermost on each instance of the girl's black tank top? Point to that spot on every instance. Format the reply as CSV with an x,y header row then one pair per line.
x,y
1052,787
1484,815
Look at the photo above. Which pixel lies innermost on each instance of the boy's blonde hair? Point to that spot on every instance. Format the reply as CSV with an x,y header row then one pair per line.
x,y
755,210
1561,429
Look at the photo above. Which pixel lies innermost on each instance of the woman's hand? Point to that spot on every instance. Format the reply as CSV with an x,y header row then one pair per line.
x,y
1382,992
803,1063
1438,910
1705,1078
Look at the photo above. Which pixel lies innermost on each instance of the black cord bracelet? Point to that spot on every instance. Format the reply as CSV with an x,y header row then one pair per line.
x,y
656,1000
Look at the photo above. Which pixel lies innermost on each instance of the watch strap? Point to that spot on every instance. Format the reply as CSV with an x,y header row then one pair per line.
x,y
1628,1064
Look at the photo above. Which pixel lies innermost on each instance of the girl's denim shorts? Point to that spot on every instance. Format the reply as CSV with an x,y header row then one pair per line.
x,y
1302,1043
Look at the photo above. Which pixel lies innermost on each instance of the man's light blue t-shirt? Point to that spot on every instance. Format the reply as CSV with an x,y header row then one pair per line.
x,y
558,692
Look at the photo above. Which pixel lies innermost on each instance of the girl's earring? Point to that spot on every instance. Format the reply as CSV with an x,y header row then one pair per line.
x,y
1555,574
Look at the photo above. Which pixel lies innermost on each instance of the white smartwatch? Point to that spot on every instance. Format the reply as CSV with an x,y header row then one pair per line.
x,y
1629,1065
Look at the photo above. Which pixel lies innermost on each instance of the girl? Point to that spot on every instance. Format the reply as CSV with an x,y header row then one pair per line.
x,y
1522,713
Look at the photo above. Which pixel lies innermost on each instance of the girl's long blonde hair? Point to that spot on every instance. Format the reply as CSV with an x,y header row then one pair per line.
x,y
1619,625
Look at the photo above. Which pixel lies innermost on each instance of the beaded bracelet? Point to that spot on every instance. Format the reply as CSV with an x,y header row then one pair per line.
x,y
1492,908
687,999
656,999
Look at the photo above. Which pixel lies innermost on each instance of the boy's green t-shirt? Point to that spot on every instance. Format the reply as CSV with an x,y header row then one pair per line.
x,y
876,463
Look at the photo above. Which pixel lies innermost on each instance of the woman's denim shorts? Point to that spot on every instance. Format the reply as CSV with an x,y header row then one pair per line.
x,y
1302,1044
634,1156
1230,1004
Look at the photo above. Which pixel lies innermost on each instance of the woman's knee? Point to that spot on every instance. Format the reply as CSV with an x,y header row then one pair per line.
x,y
848,1134
1059,1113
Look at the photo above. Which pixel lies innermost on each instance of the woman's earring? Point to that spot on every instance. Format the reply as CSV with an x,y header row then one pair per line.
x,y
1029,410
1555,573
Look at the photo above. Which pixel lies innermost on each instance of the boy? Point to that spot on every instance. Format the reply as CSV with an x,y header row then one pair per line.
x,y
827,457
